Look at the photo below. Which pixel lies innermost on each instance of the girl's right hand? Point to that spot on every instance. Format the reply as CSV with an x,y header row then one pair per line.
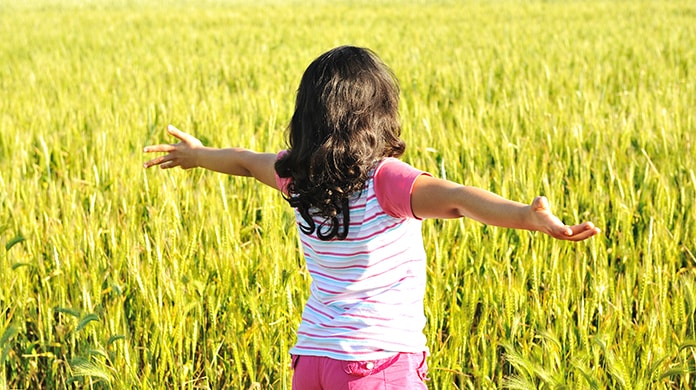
x,y
545,221
183,154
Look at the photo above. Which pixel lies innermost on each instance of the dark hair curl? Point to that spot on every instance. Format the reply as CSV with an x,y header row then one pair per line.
x,y
346,120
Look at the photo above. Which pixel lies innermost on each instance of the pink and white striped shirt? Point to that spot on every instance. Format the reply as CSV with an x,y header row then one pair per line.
x,y
366,295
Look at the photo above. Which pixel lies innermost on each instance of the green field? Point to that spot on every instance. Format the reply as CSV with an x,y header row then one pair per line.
x,y
113,276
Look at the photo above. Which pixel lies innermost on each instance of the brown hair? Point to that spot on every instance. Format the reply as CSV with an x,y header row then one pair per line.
x,y
346,120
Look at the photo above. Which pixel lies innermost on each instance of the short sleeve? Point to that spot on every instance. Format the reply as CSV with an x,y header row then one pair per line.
x,y
393,181
282,182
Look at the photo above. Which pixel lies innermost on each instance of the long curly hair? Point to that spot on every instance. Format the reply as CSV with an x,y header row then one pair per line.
x,y
346,120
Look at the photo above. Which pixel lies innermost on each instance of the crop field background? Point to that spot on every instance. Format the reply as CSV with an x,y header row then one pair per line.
x,y
112,276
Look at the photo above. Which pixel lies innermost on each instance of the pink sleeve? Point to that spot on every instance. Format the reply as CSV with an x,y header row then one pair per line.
x,y
393,182
282,182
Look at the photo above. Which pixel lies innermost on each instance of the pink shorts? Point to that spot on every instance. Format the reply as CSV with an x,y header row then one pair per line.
x,y
401,371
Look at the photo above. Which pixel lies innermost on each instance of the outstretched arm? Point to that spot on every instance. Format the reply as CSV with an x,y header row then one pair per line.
x,y
437,198
190,153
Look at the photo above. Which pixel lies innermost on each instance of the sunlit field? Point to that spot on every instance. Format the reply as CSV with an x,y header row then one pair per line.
x,y
113,276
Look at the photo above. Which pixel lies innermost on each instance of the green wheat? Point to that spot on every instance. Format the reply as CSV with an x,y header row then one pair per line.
x,y
117,277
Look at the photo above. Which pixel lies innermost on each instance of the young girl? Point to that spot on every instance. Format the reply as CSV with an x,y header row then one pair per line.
x,y
359,210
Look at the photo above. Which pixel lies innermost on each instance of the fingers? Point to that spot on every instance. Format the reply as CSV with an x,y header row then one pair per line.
x,y
579,232
160,148
169,164
576,229
185,137
547,221
540,203
555,228
170,160
582,236
165,162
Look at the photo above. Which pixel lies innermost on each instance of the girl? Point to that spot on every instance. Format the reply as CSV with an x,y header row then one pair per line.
x,y
359,210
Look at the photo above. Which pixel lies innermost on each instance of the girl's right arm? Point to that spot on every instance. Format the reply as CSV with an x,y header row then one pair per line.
x,y
438,198
190,153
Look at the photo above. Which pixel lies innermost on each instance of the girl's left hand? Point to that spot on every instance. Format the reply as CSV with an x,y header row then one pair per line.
x,y
183,154
548,223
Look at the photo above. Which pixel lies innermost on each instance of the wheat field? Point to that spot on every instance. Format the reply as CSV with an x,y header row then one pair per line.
x,y
116,277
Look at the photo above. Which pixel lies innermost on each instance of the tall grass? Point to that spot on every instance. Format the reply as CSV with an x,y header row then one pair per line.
x,y
116,277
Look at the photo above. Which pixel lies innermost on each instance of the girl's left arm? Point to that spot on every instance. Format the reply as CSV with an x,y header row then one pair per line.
x,y
190,153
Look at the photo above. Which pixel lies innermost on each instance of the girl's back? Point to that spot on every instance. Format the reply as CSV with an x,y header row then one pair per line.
x,y
367,289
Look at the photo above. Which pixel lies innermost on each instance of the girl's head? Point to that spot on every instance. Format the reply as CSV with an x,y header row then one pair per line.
x,y
346,119
347,100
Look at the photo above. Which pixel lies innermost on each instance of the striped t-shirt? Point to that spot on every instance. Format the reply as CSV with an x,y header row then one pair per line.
x,y
366,295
